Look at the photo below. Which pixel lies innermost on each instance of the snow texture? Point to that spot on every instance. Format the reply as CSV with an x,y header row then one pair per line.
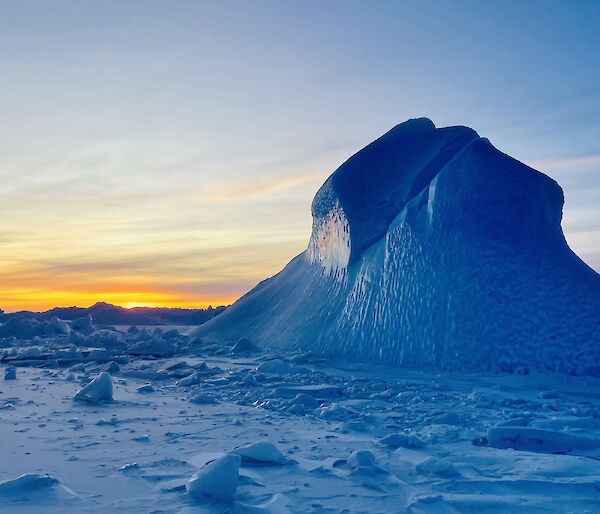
x,y
431,248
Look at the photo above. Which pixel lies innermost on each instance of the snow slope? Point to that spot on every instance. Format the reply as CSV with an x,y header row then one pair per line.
x,y
431,247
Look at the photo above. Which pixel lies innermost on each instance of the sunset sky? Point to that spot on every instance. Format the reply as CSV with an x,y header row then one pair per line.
x,y
166,153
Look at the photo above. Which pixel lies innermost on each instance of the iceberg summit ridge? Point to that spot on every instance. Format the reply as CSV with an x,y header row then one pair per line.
x,y
430,247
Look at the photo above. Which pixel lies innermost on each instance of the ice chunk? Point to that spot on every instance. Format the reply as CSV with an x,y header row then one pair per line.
x,y
31,486
130,468
56,326
538,440
302,403
203,399
20,328
244,347
260,453
146,388
83,325
98,355
77,368
218,479
360,458
249,380
10,373
190,380
438,467
279,367
171,334
100,389
177,366
335,412
315,390
154,347
400,440
111,367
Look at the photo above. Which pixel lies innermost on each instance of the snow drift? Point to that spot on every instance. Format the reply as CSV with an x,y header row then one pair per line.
x,y
432,248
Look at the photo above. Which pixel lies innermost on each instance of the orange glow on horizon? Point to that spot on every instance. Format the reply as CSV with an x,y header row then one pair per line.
x,y
13,300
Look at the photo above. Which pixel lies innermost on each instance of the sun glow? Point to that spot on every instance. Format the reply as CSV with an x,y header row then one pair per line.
x,y
39,300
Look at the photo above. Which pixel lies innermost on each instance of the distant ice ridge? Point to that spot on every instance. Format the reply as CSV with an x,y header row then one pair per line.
x,y
432,248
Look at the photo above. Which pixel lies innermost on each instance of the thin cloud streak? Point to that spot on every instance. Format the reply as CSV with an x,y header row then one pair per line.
x,y
581,163
257,187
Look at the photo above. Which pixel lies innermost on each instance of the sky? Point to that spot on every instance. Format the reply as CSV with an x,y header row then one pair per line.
x,y
166,153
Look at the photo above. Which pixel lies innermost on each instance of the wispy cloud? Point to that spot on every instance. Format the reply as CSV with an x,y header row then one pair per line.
x,y
579,163
257,187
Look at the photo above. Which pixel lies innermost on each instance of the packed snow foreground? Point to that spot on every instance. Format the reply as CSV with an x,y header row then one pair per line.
x,y
202,429
430,247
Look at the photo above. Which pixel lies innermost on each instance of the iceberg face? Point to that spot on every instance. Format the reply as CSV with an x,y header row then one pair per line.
x,y
432,248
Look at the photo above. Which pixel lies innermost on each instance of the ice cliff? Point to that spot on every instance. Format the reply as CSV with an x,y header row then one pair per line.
x,y
430,247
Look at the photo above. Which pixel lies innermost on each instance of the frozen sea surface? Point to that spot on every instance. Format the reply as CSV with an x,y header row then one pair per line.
x,y
291,433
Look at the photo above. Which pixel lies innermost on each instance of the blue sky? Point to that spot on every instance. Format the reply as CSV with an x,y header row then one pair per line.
x,y
167,152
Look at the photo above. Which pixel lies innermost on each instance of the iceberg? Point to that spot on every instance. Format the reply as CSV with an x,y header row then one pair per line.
x,y
431,248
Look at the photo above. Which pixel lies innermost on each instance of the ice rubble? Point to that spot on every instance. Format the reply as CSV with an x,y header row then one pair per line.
x,y
315,436
430,247
30,342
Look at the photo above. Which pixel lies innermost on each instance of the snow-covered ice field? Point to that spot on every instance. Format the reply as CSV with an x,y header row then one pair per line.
x,y
341,436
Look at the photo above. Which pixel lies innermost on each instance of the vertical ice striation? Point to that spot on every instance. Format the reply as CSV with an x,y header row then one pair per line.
x,y
432,248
